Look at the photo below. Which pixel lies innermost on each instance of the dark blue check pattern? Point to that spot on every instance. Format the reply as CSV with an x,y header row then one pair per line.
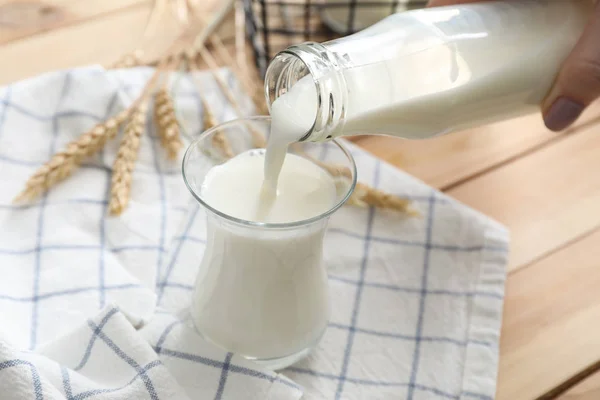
x,y
55,124
113,344
362,245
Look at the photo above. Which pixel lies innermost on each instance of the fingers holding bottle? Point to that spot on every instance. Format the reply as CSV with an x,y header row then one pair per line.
x,y
578,82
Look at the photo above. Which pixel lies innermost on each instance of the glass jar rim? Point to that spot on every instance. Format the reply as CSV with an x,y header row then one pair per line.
x,y
266,225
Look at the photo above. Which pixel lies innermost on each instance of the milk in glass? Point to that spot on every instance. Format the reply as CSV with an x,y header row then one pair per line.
x,y
263,293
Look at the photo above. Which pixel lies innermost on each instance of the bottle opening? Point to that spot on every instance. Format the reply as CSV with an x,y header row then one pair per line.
x,y
297,62
284,72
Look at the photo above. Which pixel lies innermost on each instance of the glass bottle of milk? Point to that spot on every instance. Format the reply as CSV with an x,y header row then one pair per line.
x,y
428,72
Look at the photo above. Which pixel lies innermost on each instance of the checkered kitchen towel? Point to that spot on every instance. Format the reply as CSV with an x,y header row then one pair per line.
x,y
93,306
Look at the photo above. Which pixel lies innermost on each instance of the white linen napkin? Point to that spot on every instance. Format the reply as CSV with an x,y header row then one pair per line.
x,y
416,302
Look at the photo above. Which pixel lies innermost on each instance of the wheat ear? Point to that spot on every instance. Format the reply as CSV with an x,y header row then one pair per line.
x,y
129,60
365,195
209,120
333,169
219,139
64,163
125,161
166,121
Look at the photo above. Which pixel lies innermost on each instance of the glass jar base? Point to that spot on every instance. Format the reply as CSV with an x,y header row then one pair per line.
x,y
274,364
280,363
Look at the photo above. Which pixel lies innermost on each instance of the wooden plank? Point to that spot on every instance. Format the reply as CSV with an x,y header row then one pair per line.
x,y
588,389
546,199
551,321
101,40
20,19
443,161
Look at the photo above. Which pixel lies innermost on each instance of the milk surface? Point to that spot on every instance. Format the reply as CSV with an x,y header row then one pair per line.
x,y
262,292
235,188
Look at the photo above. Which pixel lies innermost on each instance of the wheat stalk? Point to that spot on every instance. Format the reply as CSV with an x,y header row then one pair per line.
x,y
125,161
237,62
240,35
255,90
166,121
65,162
258,139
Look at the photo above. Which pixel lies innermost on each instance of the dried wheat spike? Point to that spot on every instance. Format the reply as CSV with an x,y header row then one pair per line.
x,y
364,196
62,164
129,60
334,170
219,139
209,121
258,98
258,139
125,161
166,121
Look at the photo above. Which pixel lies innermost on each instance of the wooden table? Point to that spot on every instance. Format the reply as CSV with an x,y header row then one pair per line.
x,y
545,187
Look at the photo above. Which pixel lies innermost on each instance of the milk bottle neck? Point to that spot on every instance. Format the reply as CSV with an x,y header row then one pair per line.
x,y
325,69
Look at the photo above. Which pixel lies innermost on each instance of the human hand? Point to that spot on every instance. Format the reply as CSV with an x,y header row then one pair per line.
x,y
578,82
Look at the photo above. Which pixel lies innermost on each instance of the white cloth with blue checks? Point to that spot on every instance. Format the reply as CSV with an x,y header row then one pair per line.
x,y
94,306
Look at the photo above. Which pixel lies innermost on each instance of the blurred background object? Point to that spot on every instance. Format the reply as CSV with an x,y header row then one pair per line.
x,y
273,25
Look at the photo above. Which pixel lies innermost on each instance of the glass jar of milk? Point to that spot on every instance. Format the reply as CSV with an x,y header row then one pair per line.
x,y
261,290
423,73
